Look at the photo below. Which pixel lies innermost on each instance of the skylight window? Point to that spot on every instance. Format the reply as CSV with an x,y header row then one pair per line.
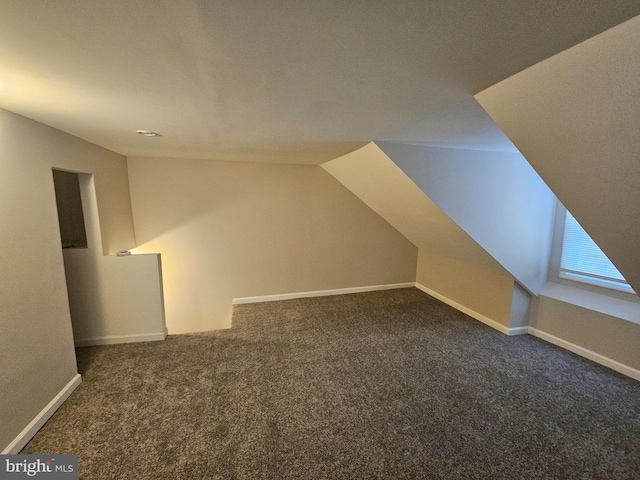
x,y
583,261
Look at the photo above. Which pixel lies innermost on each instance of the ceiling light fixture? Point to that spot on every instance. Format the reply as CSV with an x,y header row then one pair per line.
x,y
147,133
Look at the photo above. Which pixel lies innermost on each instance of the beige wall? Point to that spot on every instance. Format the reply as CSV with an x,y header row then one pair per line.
x,y
228,230
575,116
495,197
599,323
371,175
113,299
606,335
476,288
36,343
450,262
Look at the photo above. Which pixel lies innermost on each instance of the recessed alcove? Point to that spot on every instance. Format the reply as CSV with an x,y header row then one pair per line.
x,y
70,214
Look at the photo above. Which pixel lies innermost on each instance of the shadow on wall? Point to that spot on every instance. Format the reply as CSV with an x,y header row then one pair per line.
x,y
112,299
228,230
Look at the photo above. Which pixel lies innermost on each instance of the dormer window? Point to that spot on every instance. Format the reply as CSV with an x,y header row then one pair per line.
x,y
583,261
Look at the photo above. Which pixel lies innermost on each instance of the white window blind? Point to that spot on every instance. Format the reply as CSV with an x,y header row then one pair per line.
x,y
582,259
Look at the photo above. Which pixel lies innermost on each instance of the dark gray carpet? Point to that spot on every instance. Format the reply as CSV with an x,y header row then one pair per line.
x,y
389,384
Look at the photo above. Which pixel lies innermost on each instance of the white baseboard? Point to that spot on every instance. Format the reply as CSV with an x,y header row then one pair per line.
x,y
319,293
518,331
583,352
36,424
596,357
91,342
472,313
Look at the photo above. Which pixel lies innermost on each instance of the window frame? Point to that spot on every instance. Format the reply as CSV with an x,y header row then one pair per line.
x,y
587,277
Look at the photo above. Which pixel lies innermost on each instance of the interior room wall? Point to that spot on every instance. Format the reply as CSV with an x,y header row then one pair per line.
x,y
495,197
451,264
574,117
375,179
600,323
36,341
521,302
478,289
229,230
113,299
591,333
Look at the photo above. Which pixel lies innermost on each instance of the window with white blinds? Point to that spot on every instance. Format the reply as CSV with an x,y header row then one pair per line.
x,y
583,261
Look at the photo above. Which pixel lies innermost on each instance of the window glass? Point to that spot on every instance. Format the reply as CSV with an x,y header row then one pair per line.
x,y
582,259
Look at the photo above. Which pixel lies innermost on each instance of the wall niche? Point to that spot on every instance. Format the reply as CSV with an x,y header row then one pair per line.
x,y
70,213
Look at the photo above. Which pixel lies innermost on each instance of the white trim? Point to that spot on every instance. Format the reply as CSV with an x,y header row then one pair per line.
x,y
598,282
36,424
472,313
147,337
620,308
518,331
583,352
320,293
596,357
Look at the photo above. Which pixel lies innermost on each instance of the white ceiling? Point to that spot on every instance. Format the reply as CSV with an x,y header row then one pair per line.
x,y
276,80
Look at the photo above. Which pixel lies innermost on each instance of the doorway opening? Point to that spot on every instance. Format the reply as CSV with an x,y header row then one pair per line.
x,y
76,205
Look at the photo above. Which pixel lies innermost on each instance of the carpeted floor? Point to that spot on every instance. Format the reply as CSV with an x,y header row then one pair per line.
x,y
391,384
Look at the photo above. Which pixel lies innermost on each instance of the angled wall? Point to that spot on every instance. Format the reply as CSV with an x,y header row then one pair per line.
x,y
495,197
451,264
575,117
112,299
37,360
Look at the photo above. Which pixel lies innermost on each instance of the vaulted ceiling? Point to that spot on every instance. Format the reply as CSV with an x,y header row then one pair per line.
x,y
274,80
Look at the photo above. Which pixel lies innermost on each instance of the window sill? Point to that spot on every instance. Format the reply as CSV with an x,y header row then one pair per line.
x,y
576,277
608,305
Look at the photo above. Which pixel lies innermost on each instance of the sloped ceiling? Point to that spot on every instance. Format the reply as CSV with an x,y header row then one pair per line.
x,y
374,178
575,118
274,80
495,197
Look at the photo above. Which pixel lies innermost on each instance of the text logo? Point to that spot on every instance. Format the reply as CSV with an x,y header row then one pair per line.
x,y
51,467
